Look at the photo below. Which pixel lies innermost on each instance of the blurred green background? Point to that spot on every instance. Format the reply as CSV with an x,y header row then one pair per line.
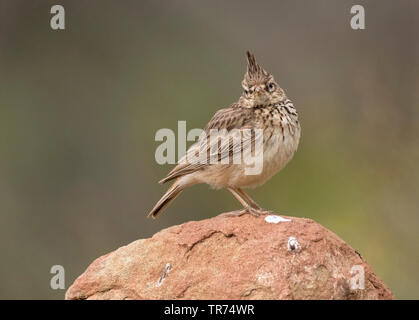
x,y
79,109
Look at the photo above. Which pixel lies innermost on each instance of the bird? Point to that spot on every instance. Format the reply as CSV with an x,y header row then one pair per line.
x,y
262,116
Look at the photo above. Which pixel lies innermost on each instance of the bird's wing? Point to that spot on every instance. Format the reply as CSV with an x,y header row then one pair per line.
x,y
226,137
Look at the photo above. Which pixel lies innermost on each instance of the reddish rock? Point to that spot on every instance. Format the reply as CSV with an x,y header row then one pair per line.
x,y
233,258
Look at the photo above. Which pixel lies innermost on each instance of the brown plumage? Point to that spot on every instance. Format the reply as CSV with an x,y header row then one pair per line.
x,y
263,114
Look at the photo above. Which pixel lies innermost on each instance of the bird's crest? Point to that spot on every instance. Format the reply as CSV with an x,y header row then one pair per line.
x,y
254,70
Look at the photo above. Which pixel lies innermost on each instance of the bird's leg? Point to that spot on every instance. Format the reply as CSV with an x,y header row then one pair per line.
x,y
249,200
247,208
257,210
238,197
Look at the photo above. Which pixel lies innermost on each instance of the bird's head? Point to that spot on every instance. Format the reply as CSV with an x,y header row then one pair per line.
x,y
259,86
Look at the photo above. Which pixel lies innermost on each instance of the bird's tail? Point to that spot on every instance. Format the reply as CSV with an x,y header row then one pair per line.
x,y
168,197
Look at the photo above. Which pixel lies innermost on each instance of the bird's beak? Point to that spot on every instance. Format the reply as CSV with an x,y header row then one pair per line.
x,y
259,94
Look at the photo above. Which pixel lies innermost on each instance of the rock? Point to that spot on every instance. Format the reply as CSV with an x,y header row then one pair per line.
x,y
233,258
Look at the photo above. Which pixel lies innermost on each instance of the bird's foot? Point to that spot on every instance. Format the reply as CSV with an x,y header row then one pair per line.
x,y
236,213
259,211
256,212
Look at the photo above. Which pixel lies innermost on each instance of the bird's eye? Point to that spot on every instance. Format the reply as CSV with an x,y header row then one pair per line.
x,y
246,91
271,86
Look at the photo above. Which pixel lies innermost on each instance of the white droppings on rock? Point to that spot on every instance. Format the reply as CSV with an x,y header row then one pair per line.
x,y
292,244
275,219
163,275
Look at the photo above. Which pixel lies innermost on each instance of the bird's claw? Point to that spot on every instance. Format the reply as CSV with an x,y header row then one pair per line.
x,y
256,212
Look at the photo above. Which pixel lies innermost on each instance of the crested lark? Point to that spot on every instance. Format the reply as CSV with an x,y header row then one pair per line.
x,y
265,111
